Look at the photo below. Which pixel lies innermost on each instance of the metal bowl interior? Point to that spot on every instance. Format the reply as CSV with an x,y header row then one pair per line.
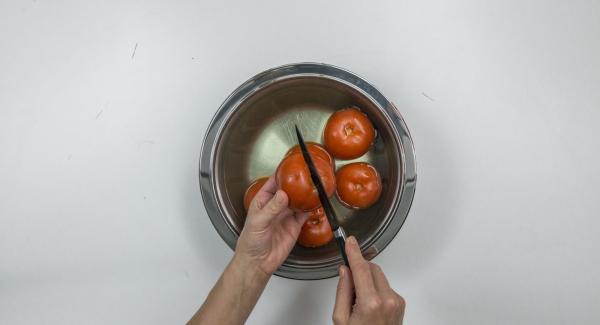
x,y
260,132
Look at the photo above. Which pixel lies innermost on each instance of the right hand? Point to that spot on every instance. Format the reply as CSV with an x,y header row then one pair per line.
x,y
376,303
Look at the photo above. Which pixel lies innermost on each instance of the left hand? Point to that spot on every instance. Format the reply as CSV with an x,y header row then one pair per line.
x,y
270,231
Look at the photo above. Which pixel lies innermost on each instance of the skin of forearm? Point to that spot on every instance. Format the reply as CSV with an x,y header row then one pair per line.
x,y
234,295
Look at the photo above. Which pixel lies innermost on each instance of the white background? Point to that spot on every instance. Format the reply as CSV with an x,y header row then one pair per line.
x,y
101,220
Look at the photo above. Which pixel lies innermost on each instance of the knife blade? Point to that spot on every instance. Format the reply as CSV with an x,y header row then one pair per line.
x,y
338,231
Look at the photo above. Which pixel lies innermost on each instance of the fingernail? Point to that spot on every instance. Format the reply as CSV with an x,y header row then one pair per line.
x,y
352,241
278,196
342,272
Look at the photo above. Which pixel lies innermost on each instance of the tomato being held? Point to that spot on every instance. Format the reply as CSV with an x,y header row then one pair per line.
x,y
348,134
316,230
293,178
252,190
358,185
315,150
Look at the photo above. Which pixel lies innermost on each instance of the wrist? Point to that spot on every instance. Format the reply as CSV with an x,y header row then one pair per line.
x,y
235,294
249,269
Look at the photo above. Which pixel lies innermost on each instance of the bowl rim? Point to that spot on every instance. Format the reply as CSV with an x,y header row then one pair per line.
x,y
408,173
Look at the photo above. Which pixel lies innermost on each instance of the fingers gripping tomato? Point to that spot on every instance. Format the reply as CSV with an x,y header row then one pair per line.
x,y
252,190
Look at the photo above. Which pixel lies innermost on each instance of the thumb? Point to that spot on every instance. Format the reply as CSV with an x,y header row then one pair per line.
x,y
343,297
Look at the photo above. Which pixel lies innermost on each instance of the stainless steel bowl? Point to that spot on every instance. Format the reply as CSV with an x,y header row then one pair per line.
x,y
253,129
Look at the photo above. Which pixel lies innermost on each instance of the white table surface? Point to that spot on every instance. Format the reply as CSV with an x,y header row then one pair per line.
x,y
103,106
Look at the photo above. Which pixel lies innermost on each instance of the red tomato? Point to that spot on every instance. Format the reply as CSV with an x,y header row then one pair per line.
x,y
358,185
252,190
293,178
315,150
348,133
316,230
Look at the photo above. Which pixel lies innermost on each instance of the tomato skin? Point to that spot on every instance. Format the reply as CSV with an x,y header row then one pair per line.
x,y
348,134
293,177
252,190
358,185
315,150
315,231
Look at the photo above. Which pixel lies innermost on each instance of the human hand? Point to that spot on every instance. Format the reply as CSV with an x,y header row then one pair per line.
x,y
270,230
376,302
